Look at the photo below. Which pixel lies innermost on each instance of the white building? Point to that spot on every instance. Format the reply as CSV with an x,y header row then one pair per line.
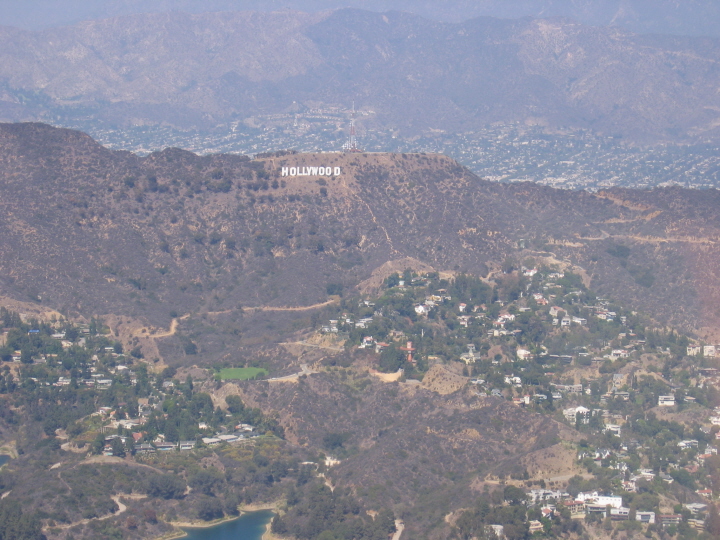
x,y
594,498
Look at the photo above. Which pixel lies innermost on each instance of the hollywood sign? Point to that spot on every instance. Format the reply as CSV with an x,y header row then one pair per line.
x,y
310,171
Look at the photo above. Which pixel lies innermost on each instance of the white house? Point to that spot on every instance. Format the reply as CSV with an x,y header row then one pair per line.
x,y
593,497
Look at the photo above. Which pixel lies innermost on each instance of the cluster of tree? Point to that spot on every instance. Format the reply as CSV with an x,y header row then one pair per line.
x,y
16,524
317,513
166,486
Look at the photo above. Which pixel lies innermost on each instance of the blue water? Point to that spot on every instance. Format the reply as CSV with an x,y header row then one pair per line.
x,y
250,526
4,458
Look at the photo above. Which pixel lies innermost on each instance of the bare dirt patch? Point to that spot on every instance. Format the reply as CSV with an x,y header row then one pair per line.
x,y
387,377
553,463
442,380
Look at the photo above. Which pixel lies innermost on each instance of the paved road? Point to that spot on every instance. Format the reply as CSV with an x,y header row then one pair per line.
x,y
305,370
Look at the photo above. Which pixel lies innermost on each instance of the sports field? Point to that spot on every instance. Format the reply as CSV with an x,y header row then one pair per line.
x,y
240,373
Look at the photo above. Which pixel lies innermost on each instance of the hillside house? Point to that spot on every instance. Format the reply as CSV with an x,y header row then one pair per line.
x,y
629,485
569,388
577,413
593,508
620,514
690,443
535,526
593,497
144,448
696,508
669,519
499,530
576,508
645,517
666,401
211,441
165,446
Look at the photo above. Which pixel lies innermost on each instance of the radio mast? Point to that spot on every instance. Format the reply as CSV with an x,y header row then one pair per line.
x,y
351,144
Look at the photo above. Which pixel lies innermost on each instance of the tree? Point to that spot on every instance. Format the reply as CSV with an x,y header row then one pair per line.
x,y
335,441
209,509
189,347
513,495
235,404
118,448
166,486
391,359
16,525
205,480
98,443
712,523
278,526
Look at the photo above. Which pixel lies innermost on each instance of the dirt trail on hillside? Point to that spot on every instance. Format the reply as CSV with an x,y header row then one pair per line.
x,y
655,239
399,528
133,332
121,508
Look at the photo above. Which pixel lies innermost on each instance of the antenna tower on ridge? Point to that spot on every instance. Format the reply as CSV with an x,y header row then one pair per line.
x,y
351,144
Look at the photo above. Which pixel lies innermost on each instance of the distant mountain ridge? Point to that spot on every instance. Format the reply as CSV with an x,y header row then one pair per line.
x,y
689,18
196,71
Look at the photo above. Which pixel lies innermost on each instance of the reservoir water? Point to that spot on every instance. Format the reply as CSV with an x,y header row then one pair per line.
x,y
250,526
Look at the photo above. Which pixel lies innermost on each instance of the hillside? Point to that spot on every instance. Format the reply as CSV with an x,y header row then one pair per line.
x,y
87,231
405,446
415,75
423,329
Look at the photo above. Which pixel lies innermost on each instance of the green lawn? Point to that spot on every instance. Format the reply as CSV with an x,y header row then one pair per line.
x,y
241,373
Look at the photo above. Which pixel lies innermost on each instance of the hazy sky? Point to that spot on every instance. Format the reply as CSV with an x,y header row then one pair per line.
x,y
691,17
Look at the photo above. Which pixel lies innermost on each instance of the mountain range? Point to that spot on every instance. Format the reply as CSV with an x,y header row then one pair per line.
x,y
694,18
413,74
